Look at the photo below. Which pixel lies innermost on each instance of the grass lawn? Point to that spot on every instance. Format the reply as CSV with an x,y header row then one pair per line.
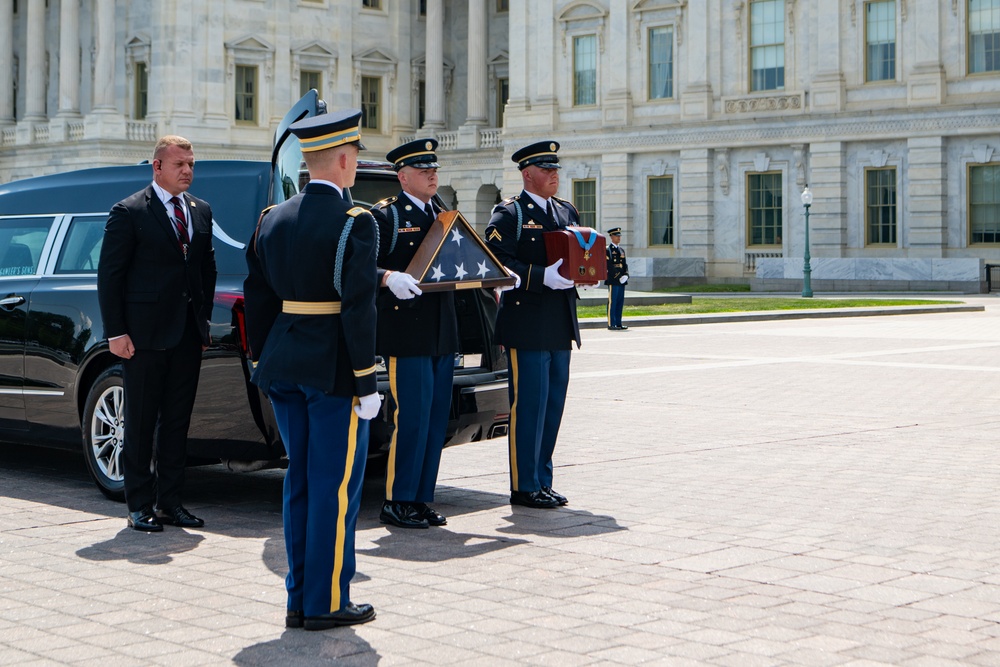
x,y
700,305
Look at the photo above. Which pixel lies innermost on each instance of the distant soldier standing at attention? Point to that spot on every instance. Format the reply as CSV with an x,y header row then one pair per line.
x,y
616,280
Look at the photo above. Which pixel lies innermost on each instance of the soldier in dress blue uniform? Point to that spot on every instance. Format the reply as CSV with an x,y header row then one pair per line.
x,y
616,280
310,308
418,338
536,322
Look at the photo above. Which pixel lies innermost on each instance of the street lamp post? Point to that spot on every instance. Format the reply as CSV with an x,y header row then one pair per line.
x,y
807,292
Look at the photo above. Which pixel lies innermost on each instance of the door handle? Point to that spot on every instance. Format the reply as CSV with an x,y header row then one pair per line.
x,y
11,302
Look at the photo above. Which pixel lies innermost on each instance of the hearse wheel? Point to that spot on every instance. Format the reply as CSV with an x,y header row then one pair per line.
x,y
104,431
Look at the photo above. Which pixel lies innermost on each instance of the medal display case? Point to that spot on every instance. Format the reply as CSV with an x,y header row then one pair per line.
x,y
582,250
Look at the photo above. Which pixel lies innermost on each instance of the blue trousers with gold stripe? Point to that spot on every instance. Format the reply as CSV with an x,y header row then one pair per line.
x,y
536,384
327,446
616,301
421,389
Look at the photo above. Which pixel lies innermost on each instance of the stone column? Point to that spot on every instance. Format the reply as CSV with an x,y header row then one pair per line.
x,y
6,64
104,61
827,90
520,50
927,203
477,98
615,200
696,98
827,179
926,83
34,70
616,109
434,66
69,58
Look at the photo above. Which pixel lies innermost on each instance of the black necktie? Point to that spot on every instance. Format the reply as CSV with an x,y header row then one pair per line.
x,y
549,212
429,210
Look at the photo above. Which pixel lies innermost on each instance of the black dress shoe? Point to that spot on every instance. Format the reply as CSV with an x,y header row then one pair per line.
x,y
178,516
144,520
558,497
533,499
431,516
352,614
623,327
293,618
403,515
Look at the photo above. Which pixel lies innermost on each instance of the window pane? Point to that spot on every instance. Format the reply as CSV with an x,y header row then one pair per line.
x,y
373,4
880,40
661,63
585,200
984,36
767,44
83,243
308,81
503,92
661,210
22,240
371,91
765,200
984,203
880,204
141,91
246,94
585,70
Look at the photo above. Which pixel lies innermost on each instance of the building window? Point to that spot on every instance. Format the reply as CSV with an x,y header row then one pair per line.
x,y
764,208
421,103
503,5
141,92
422,7
585,70
371,94
984,36
503,93
880,40
661,210
246,94
984,203
308,81
767,45
880,206
372,4
585,200
661,63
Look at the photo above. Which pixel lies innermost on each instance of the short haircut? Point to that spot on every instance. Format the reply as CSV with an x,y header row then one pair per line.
x,y
170,140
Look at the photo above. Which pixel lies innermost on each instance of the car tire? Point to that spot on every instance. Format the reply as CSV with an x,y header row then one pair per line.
x,y
103,430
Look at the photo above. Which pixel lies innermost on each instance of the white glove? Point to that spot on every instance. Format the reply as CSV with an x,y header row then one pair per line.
x,y
517,282
402,285
553,280
623,279
370,406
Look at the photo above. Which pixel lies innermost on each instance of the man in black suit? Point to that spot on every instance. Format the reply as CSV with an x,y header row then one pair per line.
x,y
536,322
310,308
156,286
418,337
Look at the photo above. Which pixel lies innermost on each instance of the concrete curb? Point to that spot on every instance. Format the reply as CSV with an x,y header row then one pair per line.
x,y
765,315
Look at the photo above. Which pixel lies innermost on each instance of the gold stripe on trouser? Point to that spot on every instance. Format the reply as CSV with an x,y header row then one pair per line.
x,y
390,468
609,305
512,430
338,550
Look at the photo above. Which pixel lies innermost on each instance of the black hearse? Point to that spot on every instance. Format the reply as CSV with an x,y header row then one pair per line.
x,y
58,379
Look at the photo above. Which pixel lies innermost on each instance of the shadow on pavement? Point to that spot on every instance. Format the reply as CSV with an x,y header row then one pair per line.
x,y
558,522
433,545
340,646
142,548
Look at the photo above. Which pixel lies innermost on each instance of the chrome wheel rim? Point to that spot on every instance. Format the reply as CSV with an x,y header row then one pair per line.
x,y
107,433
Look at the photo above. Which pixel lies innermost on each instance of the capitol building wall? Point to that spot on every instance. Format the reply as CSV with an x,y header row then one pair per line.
x,y
692,124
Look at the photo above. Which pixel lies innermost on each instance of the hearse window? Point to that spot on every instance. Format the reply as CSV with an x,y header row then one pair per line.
x,y
21,242
82,247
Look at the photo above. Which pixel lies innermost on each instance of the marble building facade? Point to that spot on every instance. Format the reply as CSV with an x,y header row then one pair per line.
x,y
692,124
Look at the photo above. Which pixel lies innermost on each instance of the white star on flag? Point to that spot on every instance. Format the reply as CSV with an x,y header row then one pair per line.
x,y
456,236
482,269
460,271
438,273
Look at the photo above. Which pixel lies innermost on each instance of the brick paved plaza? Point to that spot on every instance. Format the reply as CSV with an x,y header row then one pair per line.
x,y
806,492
